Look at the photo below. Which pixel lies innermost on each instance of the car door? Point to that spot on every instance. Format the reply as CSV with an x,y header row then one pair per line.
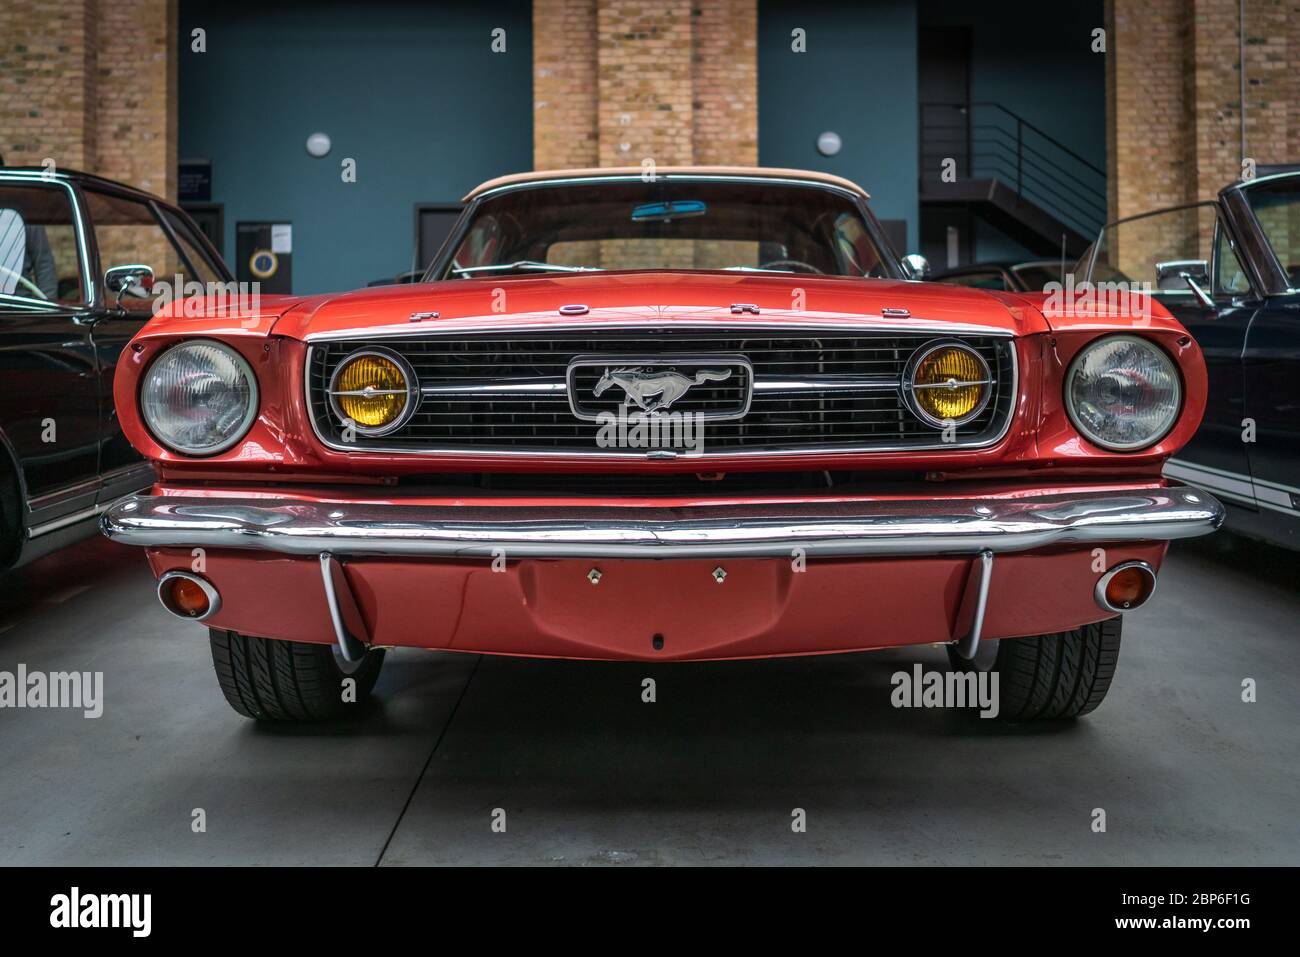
x,y
1216,458
49,422
130,227
1272,375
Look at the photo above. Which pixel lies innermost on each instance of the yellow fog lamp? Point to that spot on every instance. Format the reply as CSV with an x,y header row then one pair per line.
x,y
374,390
947,383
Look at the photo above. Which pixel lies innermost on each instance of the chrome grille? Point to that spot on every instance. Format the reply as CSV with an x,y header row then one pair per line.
x,y
811,389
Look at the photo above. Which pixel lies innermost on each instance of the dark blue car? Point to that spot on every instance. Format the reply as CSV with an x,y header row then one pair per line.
x,y
1229,269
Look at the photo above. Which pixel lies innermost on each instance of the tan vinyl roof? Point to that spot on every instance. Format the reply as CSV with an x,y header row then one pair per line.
x,y
561,174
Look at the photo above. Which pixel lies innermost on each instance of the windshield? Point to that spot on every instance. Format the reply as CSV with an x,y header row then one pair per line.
x,y
671,223
1276,204
1037,275
1130,250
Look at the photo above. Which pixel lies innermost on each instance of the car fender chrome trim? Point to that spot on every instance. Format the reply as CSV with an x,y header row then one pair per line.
x,y
894,528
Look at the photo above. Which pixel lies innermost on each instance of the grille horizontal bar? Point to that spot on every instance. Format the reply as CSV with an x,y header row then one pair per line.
x,y
811,390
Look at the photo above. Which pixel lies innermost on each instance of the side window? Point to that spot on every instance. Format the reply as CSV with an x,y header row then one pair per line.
x,y
856,248
1229,278
190,247
977,280
481,246
38,244
127,231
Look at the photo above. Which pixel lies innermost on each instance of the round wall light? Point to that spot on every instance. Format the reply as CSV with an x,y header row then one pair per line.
x,y
318,144
828,144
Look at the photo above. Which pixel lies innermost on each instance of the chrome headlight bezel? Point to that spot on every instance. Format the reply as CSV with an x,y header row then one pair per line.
x,y
909,388
245,421
413,393
1162,357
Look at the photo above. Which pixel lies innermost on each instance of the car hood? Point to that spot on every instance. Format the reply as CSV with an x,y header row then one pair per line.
x,y
655,297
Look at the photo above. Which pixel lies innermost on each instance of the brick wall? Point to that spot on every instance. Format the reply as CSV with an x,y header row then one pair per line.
x,y
623,82
1174,107
617,82
47,62
91,84
1174,96
724,65
564,84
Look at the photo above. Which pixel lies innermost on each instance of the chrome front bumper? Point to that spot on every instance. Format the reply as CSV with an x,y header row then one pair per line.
x,y
931,526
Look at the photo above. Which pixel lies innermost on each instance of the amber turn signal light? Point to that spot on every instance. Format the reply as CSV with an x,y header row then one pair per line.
x,y
188,596
1126,586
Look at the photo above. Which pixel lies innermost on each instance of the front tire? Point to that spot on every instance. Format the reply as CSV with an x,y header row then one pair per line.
x,y
1050,677
272,680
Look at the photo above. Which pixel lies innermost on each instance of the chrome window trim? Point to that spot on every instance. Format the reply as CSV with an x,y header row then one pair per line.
x,y
690,177
88,285
775,328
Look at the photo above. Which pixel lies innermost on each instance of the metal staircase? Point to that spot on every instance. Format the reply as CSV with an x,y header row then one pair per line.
x,y
1012,174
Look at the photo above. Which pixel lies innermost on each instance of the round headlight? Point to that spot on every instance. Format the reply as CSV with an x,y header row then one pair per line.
x,y
1123,393
949,383
199,397
374,390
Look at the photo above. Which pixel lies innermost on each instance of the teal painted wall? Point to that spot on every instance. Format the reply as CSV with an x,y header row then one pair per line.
x,y
1036,60
858,79
412,92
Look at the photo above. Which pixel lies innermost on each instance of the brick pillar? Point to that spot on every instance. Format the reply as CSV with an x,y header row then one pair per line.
x,y
1174,107
1147,140
91,84
617,82
1214,94
47,66
724,65
1173,96
564,84
136,85
644,82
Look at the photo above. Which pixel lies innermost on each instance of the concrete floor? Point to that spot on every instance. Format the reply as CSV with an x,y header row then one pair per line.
x,y
588,774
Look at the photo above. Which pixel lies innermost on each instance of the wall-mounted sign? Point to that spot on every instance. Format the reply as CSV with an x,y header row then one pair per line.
x,y
194,181
264,254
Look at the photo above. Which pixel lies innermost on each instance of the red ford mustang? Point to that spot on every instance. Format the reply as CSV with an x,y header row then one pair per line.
x,y
666,415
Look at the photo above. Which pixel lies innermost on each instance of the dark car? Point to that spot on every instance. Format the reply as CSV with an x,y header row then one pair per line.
x,y
1229,270
1010,276
78,255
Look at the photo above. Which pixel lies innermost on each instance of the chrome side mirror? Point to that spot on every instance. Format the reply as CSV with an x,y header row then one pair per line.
x,y
135,280
1192,273
916,266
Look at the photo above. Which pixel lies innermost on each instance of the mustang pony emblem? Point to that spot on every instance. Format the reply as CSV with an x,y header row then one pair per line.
x,y
655,391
